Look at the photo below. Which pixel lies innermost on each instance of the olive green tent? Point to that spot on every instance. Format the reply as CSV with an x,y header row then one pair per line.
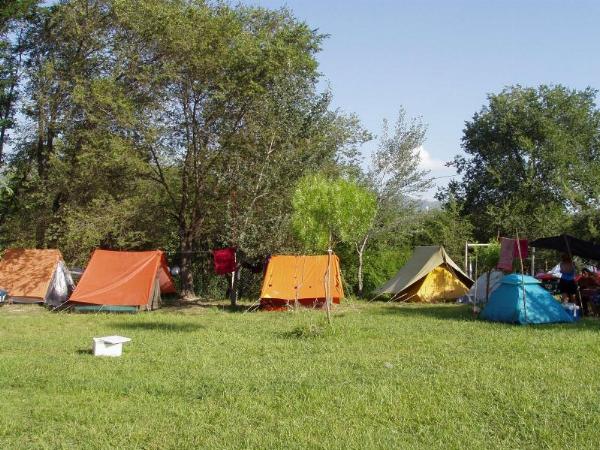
x,y
429,275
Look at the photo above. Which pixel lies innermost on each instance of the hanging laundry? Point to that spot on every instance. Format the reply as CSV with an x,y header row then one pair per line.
x,y
524,244
510,249
507,249
224,260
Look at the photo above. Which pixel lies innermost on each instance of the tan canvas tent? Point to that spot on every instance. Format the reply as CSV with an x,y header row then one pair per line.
x,y
35,276
428,276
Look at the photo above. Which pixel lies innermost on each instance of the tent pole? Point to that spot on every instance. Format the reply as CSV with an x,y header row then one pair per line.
x,y
522,276
299,284
233,294
487,286
466,257
533,261
328,286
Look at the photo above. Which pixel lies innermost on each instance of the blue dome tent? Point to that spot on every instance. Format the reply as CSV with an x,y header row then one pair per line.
x,y
506,303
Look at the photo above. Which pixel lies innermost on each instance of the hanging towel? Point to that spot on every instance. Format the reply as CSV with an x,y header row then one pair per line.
x,y
224,260
524,244
507,248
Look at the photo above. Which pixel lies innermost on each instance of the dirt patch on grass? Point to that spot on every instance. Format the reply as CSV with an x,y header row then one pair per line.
x,y
22,308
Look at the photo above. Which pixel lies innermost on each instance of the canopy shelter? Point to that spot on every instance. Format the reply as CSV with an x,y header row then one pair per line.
x,y
300,280
429,275
522,299
35,276
115,278
570,245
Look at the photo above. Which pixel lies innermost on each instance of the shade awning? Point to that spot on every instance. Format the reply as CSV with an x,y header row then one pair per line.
x,y
569,244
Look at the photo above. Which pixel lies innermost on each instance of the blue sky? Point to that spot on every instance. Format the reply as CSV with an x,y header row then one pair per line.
x,y
439,59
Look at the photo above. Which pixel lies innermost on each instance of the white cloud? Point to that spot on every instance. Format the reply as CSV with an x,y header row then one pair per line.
x,y
439,172
430,163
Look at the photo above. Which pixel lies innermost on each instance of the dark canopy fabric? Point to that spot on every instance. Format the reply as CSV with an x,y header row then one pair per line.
x,y
569,244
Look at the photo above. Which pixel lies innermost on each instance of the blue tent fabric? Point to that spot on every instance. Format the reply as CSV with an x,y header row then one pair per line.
x,y
506,303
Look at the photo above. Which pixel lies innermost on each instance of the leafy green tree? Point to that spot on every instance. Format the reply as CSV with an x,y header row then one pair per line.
x,y
394,175
215,73
532,159
291,134
11,10
446,227
586,225
487,257
394,170
13,23
381,262
81,179
329,212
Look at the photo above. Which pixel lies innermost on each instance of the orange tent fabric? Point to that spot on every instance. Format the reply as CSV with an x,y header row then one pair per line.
x,y
303,278
123,278
28,273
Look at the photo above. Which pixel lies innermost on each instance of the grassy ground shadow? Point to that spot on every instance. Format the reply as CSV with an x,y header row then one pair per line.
x,y
464,312
441,311
159,326
224,306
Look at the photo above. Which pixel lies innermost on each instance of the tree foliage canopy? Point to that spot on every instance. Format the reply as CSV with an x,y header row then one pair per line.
x,y
532,157
328,212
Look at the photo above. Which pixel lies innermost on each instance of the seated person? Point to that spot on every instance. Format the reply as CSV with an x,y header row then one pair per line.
x,y
589,286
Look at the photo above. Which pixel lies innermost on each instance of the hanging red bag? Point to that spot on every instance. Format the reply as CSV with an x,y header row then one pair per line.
x,y
224,260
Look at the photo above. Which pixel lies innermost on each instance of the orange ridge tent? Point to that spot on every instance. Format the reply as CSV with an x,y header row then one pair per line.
x,y
118,278
35,276
302,279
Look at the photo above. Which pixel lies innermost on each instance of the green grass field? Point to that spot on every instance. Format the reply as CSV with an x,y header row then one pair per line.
x,y
385,375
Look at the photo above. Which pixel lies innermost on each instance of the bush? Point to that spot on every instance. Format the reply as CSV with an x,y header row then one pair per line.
x,y
380,263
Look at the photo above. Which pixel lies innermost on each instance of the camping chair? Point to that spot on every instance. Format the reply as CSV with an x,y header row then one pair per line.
x,y
594,304
3,295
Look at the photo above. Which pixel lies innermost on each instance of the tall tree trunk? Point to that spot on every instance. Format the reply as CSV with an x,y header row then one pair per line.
x,y
39,155
40,234
360,275
5,120
44,149
361,251
7,113
187,274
